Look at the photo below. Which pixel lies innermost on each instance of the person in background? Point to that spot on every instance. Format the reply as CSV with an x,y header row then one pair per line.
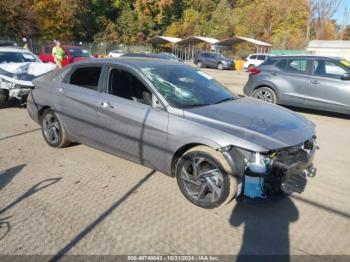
x,y
58,54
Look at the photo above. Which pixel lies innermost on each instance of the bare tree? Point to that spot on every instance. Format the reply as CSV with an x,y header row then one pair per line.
x,y
321,13
344,23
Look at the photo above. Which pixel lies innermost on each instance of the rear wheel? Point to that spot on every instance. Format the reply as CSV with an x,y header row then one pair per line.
x,y
205,178
220,66
52,129
265,94
199,64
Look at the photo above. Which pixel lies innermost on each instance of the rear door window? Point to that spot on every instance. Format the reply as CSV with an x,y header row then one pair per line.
x,y
87,77
253,57
297,66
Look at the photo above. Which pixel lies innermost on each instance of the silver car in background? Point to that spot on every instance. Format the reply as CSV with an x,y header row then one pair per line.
x,y
176,119
309,81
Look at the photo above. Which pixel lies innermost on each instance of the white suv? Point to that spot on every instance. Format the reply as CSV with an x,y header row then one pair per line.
x,y
255,60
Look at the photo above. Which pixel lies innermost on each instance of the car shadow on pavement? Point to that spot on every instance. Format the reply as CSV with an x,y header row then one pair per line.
x,y
100,219
7,175
318,112
5,226
266,229
5,178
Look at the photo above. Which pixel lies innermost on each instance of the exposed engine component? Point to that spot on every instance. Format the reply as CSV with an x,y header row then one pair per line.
x,y
281,171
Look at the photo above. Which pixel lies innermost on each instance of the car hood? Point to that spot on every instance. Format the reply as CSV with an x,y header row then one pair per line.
x,y
24,73
266,125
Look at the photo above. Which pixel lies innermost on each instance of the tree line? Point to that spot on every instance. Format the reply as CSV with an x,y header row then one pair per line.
x,y
288,24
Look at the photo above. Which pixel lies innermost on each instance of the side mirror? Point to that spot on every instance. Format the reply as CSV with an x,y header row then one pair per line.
x,y
346,76
156,104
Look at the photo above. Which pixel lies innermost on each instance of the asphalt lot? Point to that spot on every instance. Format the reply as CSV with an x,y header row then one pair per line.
x,y
79,200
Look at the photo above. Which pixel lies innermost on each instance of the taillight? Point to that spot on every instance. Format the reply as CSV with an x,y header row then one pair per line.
x,y
254,71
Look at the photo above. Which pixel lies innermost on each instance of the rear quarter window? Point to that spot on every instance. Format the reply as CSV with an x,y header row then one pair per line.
x,y
87,77
281,64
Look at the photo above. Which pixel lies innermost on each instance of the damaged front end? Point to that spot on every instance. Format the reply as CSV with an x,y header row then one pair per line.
x,y
275,173
16,78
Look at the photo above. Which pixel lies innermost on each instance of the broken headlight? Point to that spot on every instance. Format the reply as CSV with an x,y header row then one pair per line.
x,y
4,84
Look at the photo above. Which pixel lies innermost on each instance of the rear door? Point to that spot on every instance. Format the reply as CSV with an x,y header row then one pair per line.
x,y
292,80
129,125
327,90
79,102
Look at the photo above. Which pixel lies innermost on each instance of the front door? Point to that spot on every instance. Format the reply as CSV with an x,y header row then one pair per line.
x,y
130,126
327,90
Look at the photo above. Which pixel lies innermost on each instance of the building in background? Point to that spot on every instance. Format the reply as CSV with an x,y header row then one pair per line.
x,y
338,48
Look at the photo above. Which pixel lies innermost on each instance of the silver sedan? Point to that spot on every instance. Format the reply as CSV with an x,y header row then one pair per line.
x,y
176,119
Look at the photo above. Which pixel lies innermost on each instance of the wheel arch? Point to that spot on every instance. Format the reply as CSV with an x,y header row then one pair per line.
x,y
179,152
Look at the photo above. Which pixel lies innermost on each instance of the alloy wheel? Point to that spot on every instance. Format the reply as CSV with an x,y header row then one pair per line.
x,y
264,96
51,128
202,179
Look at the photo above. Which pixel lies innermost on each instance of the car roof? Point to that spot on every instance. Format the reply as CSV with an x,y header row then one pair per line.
x,y
14,49
311,56
130,61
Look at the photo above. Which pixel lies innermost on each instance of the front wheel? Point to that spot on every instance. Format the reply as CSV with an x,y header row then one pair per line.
x,y
199,64
220,66
265,94
4,96
52,129
205,178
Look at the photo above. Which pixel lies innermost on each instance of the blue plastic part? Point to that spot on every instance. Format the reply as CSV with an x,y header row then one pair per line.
x,y
252,187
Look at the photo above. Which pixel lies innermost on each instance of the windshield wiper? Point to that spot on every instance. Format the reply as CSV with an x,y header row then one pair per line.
x,y
225,100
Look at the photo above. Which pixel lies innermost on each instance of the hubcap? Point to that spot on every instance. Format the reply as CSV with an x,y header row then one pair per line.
x,y
202,179
264,95
51,128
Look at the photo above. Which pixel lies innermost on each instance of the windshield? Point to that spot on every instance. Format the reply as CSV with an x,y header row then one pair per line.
x,y
183,86
78,52
17,57
345,62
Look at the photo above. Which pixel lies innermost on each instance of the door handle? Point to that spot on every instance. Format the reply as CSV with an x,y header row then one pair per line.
x,y
316,82
106,105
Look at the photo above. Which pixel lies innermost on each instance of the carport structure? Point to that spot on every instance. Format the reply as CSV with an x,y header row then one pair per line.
x,y
157,41
261,47
188,47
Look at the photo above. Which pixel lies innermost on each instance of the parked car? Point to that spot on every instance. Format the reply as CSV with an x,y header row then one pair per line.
x,y
4,43
18,67
255,60
316,82
214,60
176,119
166,56
73,54
116,53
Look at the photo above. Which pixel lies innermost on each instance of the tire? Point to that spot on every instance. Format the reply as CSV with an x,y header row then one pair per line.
x,y
4,96
265,94
53,130
198,187
220,66
199,64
